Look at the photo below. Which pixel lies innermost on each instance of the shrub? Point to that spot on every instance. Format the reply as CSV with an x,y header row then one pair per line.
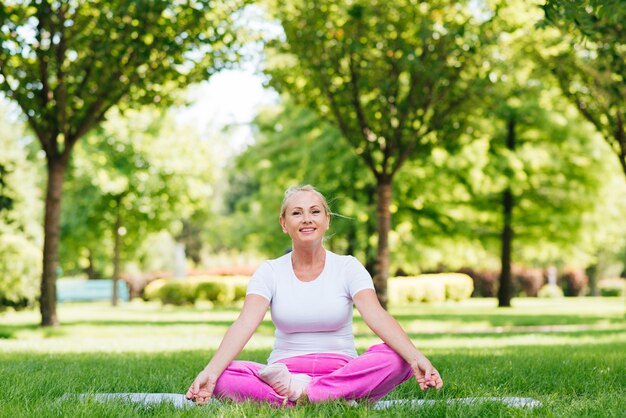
x,y
220,290
612,287
550,291
458,286
485,282
177,292
528,280
429,288
20,271
240,292
209,291
151,291
575,281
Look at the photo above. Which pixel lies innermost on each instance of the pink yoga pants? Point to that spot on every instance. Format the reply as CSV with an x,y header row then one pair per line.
x,y
372,375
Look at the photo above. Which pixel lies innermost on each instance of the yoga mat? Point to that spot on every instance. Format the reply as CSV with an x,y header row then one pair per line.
x,y
507,400
180,401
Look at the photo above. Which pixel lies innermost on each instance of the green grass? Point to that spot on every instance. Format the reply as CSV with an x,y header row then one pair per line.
x,y
569,354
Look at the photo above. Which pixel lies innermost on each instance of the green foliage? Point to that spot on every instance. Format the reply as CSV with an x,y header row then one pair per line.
x,y
390,78
143,167
177,293
66,64
20,211
591,68
430,288
95,55
612,287
220,290
20,269
550,291
295,146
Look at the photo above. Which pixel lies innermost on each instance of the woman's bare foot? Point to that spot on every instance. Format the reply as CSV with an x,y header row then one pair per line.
x,y
283,382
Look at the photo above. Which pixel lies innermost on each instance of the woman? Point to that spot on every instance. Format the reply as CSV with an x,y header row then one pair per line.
x,y
311,293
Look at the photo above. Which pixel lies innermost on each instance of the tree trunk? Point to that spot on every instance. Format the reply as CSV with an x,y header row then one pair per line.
x,y
504,292
116,252
384,190
52,230
91,269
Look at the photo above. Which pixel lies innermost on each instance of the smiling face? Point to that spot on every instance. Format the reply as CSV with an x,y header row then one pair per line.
x,y
305,218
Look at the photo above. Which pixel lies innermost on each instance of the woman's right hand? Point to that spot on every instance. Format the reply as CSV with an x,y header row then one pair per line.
x,y
202,387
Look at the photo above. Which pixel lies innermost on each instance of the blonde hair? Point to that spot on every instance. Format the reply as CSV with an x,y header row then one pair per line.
x,y
306,188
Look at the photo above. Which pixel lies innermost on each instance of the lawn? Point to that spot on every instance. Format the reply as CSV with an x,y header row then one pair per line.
x,y
569,354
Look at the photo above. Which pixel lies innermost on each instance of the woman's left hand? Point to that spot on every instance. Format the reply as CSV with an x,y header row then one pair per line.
x,y
426,375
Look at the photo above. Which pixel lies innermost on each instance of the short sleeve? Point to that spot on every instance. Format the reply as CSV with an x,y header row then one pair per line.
x,y
357,277
261,282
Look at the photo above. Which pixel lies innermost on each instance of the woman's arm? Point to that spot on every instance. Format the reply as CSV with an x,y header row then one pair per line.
x,y
239,333
390,331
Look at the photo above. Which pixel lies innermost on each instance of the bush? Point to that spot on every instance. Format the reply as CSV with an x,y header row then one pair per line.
x,y
575,281
209,291
151,291
429,288
222,290
177,292
20,271
458,286
550,291
612,287
528,280
485,282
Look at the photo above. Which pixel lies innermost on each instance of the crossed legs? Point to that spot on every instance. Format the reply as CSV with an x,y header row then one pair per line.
x,y
370,376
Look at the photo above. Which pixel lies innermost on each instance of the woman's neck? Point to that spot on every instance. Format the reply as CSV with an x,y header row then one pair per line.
x,y
308,256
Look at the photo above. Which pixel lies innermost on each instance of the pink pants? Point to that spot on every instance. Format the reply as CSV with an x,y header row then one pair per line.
x,y
372,375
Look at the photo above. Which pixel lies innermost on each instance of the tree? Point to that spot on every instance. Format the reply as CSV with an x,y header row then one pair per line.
x,y
136,174
592,74
390,78
66,63
295,146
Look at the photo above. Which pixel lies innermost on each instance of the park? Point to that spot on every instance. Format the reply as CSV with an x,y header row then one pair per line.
x,y
468,158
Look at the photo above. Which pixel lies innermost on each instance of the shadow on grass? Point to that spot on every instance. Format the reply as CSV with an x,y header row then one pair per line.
x,y
10,331
501,320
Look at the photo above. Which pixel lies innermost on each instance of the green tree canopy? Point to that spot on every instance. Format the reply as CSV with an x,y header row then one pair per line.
x,y
392,79
66,63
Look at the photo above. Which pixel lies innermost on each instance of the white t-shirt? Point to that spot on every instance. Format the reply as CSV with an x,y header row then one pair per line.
x,y
311,317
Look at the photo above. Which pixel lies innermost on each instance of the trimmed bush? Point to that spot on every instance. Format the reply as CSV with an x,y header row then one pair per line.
x,y
612,287
221,290
527,280
550,291
209,291
430,288
177,292
575,281
151,291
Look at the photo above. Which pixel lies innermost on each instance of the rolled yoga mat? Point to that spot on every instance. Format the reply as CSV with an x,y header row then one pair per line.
x,y
180,401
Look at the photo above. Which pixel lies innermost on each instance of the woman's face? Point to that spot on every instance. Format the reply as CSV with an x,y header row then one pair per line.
x,y
305,218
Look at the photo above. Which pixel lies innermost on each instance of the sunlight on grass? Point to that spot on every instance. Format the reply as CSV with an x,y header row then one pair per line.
x,y
151,327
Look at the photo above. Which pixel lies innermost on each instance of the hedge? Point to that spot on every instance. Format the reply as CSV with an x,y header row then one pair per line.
x,y
221,290
224,290
612,287
430,288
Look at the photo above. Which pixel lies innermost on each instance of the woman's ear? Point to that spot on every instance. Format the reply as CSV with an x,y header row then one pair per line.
x,y
282,224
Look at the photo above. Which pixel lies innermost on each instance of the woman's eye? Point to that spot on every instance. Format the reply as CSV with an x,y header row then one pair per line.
x,y
316,212
295,213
